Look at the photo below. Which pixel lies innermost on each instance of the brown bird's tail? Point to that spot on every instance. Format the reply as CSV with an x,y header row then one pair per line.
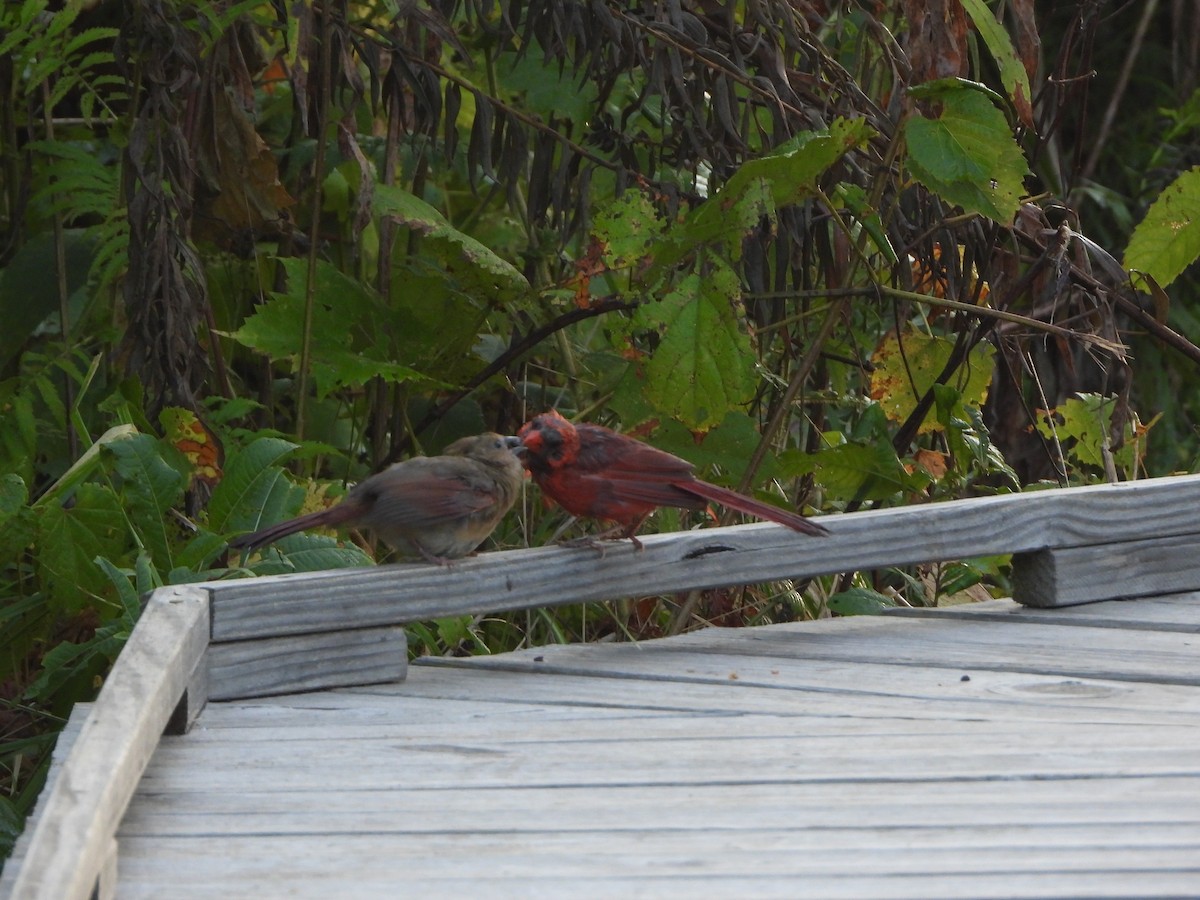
x,y
323,517
751,507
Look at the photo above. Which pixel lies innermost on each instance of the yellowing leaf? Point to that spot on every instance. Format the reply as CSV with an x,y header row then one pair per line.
x,y
905,369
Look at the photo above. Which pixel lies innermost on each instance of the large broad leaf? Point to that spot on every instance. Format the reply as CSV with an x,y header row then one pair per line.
x,y
547,90
787,175
255,488
726,447
344,347
72,538
967,153
309,553
17,520
857,471
150,486
907,367
1167,241
440,299
486,270
859,602
703,366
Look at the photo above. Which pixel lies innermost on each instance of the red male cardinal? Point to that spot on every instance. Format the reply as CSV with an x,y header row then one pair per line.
x,y
590,470
440,507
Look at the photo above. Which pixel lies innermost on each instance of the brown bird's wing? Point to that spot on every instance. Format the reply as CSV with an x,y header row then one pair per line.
x,y
427,491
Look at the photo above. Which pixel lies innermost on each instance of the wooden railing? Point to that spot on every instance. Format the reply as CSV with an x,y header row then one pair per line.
x,y
252,637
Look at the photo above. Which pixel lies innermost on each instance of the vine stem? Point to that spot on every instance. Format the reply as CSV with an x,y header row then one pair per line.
x,y
60,265
310,289
779,416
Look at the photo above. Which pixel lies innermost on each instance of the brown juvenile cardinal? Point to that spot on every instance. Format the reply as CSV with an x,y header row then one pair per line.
x,y
438,507
590,470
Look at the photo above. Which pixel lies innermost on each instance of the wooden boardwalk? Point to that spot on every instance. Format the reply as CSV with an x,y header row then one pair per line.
x,y
956,755
994,750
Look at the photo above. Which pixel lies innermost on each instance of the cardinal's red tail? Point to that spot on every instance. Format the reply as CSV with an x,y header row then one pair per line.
x,y
752,507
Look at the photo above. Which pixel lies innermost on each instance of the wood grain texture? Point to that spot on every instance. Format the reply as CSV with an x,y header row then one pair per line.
x,y
742,554
71,840
306,662
954,645
62,748
840,758
1170,612
1071,575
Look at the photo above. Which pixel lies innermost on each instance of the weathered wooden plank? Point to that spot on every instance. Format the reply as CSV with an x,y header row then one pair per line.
x,y
1070,575
639,862
1173,612
613,770
71,839
1130,811
1020,758
62,748
193,701
106,878
521,579
306,662
854,886
957,644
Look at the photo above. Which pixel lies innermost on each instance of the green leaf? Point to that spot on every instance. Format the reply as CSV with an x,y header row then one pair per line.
x,y
856,471
254,488
84,467
345,349
74,666
967,153
72,538
726,447
704,365
1167,240
150,486
787,175
129,591
409,210
628,228
1084,422
13,497
549,89
17,520
792,170
859,602
309,553
1012,70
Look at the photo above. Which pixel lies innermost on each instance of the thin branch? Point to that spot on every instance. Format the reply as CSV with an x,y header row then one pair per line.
x,y
514,352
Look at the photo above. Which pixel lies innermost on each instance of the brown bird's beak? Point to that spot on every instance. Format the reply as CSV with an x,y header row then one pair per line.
x,y
515,444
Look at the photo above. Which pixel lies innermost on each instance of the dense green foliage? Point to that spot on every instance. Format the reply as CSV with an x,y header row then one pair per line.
x,y
830,252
